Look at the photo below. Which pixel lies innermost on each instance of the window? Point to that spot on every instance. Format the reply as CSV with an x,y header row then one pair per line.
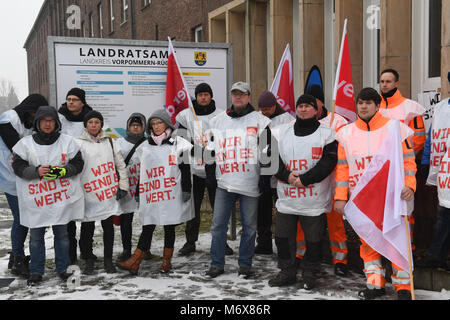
x,y
426,46
91,22
124,10
100,20
434,38
146,2
111,15
198,34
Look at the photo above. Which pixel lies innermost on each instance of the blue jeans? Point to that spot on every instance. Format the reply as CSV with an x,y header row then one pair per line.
x,y
18,232
37,249
223,203
441,238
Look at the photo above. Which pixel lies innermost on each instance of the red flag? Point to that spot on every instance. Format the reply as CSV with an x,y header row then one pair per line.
x,y
283,83
375,208
177,95
343,95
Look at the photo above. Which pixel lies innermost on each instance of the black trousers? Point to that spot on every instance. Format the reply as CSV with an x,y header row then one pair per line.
x,y
193,226
126,230
72,232
87,238
286,240
264,221
145,239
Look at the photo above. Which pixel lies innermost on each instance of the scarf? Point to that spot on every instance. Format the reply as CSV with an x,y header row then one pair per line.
x,y
163,136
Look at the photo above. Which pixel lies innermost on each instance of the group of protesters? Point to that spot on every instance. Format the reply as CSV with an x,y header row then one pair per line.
x,y
58,168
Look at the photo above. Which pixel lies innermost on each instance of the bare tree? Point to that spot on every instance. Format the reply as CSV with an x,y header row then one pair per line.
x,y
8,96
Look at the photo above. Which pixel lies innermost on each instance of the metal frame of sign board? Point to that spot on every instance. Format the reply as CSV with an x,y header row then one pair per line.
x,y
52,40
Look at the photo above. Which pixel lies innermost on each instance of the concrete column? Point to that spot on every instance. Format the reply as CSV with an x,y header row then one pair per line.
x,y
308,44
353,11
445,51
257,17
395,40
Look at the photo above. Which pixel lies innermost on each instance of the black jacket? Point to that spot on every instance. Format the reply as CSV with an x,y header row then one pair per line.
x,y
326,164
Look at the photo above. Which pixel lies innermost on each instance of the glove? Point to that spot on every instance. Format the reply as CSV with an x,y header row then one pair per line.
x,y
121,194
55,173
186,196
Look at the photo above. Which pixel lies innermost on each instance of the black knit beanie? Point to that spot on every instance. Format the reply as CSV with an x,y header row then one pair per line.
x,y
203,87
92,114
306,98
80,93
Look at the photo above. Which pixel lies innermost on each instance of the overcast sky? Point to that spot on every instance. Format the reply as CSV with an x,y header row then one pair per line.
x,y
16,19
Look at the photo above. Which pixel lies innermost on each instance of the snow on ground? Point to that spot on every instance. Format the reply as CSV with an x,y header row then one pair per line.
x,y
186,281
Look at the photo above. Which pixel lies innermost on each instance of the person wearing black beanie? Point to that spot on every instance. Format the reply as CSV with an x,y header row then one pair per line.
x,y
92,114
72,112
14,125
315,144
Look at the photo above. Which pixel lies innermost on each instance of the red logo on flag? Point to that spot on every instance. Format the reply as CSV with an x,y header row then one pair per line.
x,y
283,83
316,152
252,131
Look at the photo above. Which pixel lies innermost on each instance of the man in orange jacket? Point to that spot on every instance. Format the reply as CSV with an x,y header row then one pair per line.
x,y
358,142
394,106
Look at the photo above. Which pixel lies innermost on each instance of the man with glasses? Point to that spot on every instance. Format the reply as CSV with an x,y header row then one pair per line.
x,y
71,115
235,137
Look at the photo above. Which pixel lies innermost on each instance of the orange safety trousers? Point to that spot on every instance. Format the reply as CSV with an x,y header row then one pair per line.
x,y
375,272
336,234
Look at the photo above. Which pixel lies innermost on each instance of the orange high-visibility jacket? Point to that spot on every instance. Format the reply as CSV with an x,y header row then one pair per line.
x,y
364,140
409,112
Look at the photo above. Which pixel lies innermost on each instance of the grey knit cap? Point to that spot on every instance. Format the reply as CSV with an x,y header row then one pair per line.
x,y
160,114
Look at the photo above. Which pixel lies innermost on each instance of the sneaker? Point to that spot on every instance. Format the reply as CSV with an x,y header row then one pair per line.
x,y
341,269
187,249
124,256
228,250
34,279
282,279
370,294
89,267
247,272
404,295
109,265
214,272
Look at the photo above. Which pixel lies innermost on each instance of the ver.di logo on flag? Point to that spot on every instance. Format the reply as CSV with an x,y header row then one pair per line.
x,y
200,58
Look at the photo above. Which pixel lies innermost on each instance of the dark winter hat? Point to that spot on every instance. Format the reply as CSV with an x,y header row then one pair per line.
x,y
266,99
46,111
160,114
28,106
80,93
306,98
448,76
316,91
203,87
92,114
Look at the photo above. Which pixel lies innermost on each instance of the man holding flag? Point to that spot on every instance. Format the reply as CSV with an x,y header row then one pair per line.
x,y
374,205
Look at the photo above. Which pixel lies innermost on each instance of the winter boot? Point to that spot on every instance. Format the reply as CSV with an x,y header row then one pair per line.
x,y
264,247
20,267
124,256
282,279
370,294
109,265
133,263
11,260
404,295
341,269
167,257
34,279
309,279
89,267
187,249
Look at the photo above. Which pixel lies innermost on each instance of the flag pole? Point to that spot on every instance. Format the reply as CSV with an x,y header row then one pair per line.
x,y
411,277
338,71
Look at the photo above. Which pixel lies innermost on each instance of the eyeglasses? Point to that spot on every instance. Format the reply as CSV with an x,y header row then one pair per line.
x,y
305,105
48,121
239,94
135,124
72,99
